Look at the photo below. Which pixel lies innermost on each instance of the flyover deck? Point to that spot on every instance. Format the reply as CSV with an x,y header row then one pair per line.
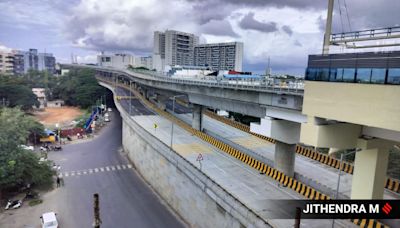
x,y
239,179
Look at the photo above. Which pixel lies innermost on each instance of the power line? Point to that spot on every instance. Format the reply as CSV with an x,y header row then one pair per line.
x,y
340,14
347,13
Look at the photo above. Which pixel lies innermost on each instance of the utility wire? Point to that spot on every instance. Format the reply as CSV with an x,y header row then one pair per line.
x,y
347,13
340,13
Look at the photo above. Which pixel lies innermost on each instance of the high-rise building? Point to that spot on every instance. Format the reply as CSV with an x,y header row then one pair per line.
x,y
33,60
20,62
173,48
46,61
19,66
6,63
219,56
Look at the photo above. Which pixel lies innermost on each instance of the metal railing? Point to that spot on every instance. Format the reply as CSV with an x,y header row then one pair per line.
x,y
285,86
369,34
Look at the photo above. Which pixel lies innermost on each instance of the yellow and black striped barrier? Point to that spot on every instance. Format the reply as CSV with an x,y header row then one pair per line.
x,y
304,190
391,183
124,97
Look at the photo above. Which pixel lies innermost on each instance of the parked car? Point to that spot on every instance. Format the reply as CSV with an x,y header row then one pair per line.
x,y
27,147
49,220
109,110
107,119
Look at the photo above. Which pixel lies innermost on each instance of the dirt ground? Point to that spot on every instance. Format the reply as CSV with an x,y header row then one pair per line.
x,y
63,115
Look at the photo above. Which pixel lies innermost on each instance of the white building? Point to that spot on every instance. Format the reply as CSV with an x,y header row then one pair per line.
x,y
41,96
122,61
6,63
173,48
219,56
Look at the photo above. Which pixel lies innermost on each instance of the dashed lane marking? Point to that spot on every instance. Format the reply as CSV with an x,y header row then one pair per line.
x,y
95,170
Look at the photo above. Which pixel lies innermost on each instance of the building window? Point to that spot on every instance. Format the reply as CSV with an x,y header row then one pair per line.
x,y
393,76
378,75
322,74
364,75
311,74
349,74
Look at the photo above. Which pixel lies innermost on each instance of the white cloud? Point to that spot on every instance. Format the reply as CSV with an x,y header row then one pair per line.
x,y
87,58
128,25
4,48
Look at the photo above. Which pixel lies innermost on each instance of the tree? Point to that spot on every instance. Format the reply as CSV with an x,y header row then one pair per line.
x,y
14,92
18,166
79,88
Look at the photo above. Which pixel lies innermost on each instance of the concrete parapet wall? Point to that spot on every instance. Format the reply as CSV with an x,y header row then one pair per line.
x,y
193,195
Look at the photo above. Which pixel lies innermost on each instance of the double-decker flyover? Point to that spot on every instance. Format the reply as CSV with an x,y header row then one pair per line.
x,y
280,109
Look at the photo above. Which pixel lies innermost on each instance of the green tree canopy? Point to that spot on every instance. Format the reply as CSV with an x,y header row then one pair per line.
x,y
15,92
19,166
79,88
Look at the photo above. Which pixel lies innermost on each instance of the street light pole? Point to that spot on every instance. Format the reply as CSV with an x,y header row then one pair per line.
x,y
130,96
339,174
172,127
173,111
342,155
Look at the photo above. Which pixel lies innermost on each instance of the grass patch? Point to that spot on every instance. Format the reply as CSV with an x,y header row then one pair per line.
x,y
35,202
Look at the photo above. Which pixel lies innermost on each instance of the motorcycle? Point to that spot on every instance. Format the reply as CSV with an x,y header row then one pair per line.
x,y
13,204
31,195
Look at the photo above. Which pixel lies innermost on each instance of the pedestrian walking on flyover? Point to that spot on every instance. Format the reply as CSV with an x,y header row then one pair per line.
x,y
58,181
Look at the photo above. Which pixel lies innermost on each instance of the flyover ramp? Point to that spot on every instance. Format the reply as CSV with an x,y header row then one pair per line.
x,y
239,179
309,168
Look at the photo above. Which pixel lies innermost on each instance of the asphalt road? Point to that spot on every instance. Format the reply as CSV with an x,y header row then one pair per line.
x,y
98,166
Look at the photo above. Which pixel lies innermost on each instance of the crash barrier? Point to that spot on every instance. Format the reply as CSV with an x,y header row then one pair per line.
x,y
124,97
391,183
304,190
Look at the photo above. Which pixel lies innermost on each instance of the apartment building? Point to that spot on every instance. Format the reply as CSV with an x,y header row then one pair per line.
x,y
219,56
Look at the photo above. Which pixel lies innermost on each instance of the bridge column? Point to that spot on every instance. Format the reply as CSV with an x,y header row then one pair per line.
x,y
370,167
197,120
284,158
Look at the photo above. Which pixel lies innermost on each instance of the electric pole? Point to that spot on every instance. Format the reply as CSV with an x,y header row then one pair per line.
x,y
97,220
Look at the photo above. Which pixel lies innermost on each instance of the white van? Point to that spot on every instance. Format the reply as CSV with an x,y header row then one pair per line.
x,y
49,220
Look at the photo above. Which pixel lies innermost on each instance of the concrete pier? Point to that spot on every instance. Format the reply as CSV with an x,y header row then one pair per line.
x,y
285,155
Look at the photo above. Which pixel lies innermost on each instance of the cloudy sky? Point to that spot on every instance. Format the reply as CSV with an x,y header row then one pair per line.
x,y
284,30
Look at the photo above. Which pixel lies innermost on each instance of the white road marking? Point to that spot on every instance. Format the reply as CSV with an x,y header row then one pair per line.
x,y
95,170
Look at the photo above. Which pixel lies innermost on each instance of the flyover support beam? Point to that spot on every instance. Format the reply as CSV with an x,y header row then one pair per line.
x,y
285,155
370,167
197,120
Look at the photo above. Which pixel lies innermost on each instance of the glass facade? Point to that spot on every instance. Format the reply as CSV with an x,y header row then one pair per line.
x,y
393,76
355,75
